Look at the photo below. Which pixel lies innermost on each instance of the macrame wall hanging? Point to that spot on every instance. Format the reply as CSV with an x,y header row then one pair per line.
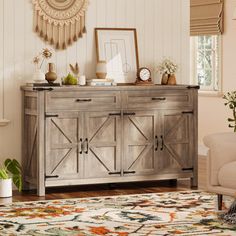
x,y
60,22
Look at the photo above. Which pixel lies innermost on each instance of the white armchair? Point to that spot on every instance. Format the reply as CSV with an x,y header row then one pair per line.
x,y
221,164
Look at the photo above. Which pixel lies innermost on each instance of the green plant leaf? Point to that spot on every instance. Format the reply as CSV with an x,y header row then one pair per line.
x,y
17,180
3,173
13,166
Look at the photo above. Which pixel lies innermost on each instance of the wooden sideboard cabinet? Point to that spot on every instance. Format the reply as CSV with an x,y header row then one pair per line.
x,y
89,135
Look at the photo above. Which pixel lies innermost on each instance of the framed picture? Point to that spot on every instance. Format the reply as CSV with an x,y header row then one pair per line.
x,y
119,48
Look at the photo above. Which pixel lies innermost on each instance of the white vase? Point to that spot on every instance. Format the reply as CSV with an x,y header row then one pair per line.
x,y
5,187
101,70
38,76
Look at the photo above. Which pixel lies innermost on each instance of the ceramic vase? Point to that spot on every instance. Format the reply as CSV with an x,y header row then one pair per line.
x,y
171,80
38,76
101,71
5,187
51,76
164,79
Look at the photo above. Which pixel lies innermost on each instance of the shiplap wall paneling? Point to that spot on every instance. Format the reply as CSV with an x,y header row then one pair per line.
x,y
1,57
91,22
162,27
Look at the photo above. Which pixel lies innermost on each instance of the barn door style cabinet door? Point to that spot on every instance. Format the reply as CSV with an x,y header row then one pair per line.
x,y
90,135
140,142
102,157
176,142
63,146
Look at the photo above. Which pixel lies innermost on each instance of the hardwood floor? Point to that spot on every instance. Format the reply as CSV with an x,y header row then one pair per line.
x,y
101,190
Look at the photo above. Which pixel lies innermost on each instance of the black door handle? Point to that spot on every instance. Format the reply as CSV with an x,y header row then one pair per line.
x,y
162,142
86,151
81,146
157,143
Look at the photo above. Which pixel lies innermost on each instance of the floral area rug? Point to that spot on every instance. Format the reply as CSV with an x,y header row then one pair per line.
x,y
172,213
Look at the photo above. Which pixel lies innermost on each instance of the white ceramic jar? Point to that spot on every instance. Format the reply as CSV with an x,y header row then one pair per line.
x,y
5,187
101,71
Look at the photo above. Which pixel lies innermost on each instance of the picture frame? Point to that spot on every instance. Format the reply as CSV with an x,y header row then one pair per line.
x,y
119,48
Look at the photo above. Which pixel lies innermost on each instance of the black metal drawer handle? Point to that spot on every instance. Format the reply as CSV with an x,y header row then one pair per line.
x,y
84,100
159,99
51,176
115,114
129,114
115,173
51,116
42,89
187,169
129,172
187,112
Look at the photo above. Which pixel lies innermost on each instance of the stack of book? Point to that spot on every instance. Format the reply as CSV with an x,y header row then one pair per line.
x,y
100,82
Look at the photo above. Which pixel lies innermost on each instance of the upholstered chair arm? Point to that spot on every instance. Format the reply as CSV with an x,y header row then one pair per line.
x,y
222,150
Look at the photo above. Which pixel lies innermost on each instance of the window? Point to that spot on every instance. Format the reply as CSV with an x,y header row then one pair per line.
x,y
205,63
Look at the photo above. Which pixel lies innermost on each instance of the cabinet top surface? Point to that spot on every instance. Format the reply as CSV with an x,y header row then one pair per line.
x,y
107,88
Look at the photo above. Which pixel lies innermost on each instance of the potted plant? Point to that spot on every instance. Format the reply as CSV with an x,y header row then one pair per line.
x,y
230,98
10,171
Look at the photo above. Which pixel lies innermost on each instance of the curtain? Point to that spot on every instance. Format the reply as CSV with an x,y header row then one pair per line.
x,y
206,17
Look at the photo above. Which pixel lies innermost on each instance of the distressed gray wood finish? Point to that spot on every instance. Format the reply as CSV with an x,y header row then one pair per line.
x,y
139,142
63,145
102,147
87,135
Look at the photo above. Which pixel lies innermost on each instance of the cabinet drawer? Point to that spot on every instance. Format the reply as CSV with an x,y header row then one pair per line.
x,y
159,99
82,100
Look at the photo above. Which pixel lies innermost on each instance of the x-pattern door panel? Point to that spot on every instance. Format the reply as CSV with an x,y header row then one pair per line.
x,y
104,139
177,139
139,142
62,145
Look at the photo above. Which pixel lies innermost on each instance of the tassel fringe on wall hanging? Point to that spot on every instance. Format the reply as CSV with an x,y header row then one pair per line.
x,y
60,22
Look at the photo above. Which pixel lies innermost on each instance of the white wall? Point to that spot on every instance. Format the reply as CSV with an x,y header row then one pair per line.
x,y
163,31
212,112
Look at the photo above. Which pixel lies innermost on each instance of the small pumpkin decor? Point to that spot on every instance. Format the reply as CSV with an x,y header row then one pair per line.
x,y
168,69
10,171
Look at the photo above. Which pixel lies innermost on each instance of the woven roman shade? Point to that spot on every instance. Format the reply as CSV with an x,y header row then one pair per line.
x,y
206,17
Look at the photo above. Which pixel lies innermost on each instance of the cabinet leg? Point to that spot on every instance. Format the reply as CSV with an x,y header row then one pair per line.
x,y
194,182
41,192
220,201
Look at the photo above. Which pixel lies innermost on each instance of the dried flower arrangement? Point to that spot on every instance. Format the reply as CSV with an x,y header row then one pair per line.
x,y
75,69
45,54
167,66
231,102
